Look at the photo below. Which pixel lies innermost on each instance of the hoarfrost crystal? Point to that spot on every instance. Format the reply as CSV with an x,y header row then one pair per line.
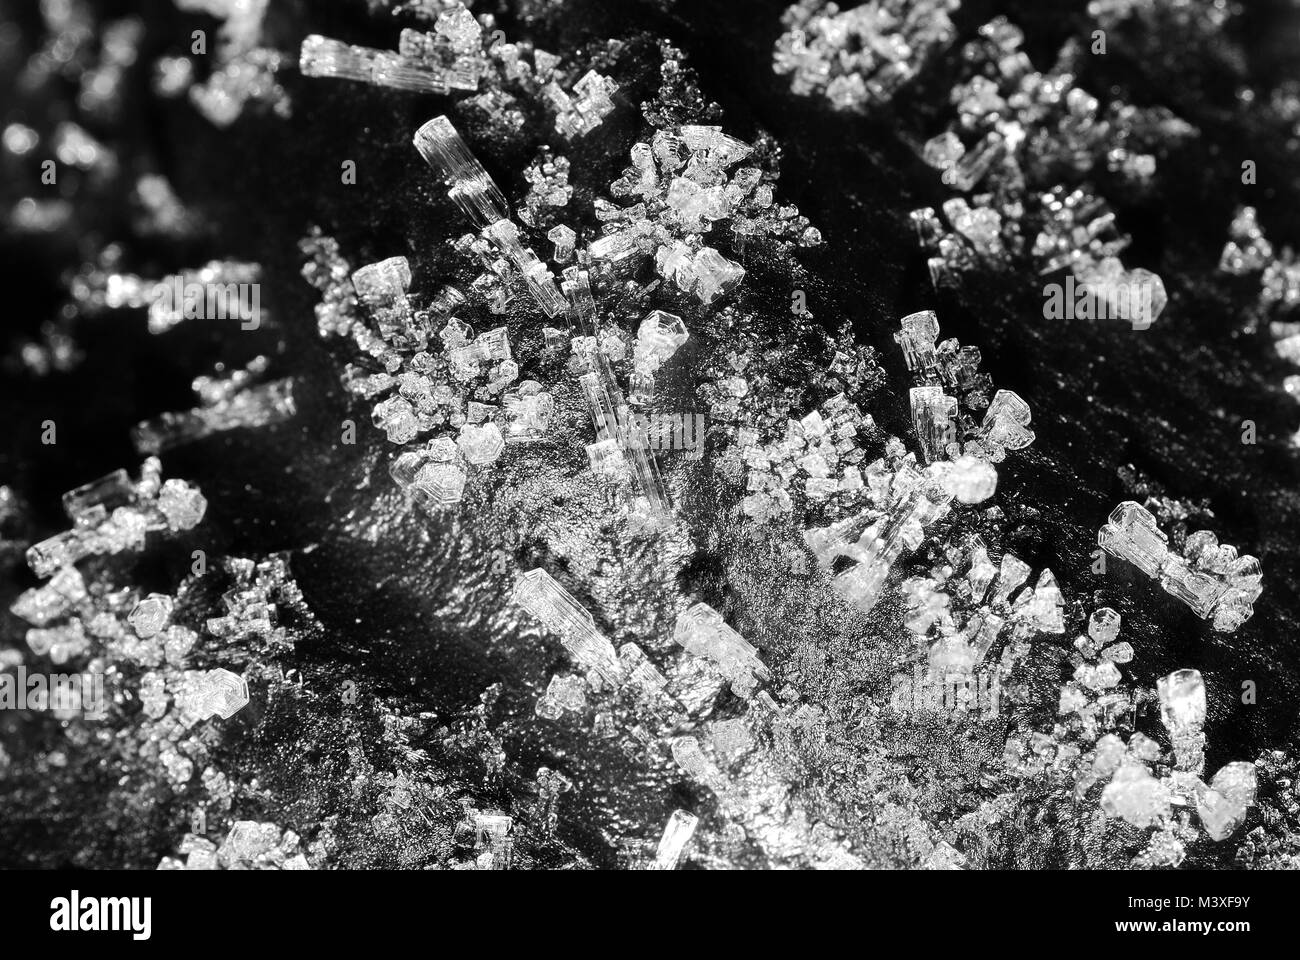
x,y
538,593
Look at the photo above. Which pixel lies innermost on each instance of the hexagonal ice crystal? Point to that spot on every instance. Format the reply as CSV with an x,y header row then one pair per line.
x,y
563,238
1103,626
703,632
1237,782
378,284
102,495
919,331
1219,816
659,336
220,693
538,593
715,275
606,458
1006,422
481,445
470,186
150,615
438,485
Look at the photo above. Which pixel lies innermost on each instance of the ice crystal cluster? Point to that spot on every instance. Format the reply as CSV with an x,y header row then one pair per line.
x,y
1159,14
680,190
858,57
249,845
617,451
462,54
621,453
1093,696
1143,799
72,617
115,514
548,188
903,502
1019,136
1247,253
243,73
100,286
449,57
816,448
1209,577
145,647
738,758
474,191
945,428
584,108
959,618
463,392
624,290
1138,782
60,610
240,399
262,602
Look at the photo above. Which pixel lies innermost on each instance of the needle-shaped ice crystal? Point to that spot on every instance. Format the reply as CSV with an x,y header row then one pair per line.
x,y
677,834
703,632
468,184
538,593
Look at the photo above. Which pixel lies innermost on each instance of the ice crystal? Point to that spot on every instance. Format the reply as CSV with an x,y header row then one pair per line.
x,y
538,593
263,602
448,58
680,189
964,607
630,449
1210,578
419,390
236,401
114,514
548,179
903,505
248,845
677,834
1018,132
825,442
701,630
582,110
859,57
